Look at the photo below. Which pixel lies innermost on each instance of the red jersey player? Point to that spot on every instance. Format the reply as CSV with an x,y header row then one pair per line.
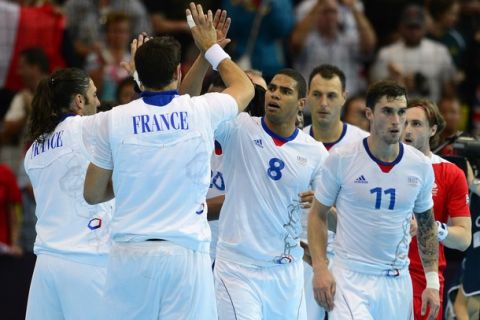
x,y
450,196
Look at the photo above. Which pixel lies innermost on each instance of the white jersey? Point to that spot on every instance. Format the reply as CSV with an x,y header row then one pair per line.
x,y
217,188
260,218
67,225
350,134
159,148
375,202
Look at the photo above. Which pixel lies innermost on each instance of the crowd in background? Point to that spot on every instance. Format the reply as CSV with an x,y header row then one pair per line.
x,y
432,47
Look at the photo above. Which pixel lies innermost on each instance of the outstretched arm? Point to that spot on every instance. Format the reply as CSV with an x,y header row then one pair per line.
x,y
192,82
204,34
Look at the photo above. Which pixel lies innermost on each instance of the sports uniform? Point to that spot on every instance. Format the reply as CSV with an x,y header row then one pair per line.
x,y
258,270
349,135
159,148
73,237
374,202
217,188
450,199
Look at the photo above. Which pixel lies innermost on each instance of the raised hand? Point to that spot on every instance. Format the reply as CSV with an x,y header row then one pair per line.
x,y
203,32
129,66
222,24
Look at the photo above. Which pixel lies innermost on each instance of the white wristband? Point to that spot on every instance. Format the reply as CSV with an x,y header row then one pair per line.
x,y
215,54
442,231
432,280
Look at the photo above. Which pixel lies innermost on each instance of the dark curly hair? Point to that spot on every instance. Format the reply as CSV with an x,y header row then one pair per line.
x,y
53,98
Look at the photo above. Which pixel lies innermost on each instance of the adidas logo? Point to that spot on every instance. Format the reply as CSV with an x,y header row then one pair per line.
x,y
258,142
361,179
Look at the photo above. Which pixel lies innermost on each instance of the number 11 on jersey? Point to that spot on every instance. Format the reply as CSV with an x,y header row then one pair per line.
x,y
378,198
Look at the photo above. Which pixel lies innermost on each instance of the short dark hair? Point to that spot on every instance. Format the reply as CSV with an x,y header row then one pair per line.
x,y
437,8
434,117
36,57
328,71
384,88
297,76
156,61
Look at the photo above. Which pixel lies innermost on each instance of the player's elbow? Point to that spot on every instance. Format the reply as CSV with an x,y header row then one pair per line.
x,y
90,197
465,241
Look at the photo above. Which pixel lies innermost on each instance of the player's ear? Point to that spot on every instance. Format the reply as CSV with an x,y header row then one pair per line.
x,y
77,104
369,113
301,103
433,130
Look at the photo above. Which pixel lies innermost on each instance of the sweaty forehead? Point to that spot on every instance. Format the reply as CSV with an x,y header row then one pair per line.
x,y
281,80
416,113
392,102
322,84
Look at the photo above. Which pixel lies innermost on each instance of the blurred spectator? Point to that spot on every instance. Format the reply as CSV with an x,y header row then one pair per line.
x,y
422,65
33,66
450,109
354,112
86,20
274,21
385,15
10,212
168,18
103,65
444,15
469,26
24,27
319,39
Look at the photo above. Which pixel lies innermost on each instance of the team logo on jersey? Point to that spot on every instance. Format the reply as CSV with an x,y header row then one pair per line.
x,y
413,181
201,209
361,179
302,160
258,142
95,223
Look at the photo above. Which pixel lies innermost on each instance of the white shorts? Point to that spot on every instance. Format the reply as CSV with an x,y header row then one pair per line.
x,y
64,289
371,297
259,293
158,280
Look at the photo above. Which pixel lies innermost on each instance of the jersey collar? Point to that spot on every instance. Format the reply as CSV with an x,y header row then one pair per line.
x,y
329,145
158,99
385,166
279,140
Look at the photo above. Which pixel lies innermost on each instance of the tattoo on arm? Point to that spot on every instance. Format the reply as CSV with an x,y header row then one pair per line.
x,y
427,238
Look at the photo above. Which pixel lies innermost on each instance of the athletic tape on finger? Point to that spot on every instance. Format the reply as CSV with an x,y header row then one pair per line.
x,y
190,21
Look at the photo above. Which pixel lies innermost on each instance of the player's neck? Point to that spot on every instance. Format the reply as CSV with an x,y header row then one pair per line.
x,y
282,129
330,132
171,86
383,151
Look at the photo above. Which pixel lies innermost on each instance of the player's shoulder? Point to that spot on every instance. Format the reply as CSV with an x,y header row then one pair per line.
x,y
412,153
348,150
448,168
356,131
